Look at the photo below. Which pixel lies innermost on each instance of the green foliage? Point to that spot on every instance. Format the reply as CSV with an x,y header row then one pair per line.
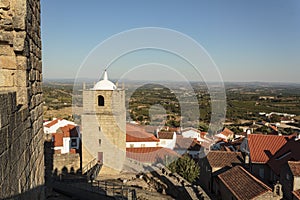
x,y
185,167
203,127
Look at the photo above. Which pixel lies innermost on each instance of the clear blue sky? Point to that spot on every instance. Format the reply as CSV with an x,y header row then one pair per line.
x,y
257,40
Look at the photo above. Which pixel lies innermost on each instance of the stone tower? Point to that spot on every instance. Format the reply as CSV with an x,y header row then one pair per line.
x,y
21,109
103,126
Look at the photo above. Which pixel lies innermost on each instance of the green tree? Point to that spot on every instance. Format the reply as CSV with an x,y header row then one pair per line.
x,y
186,167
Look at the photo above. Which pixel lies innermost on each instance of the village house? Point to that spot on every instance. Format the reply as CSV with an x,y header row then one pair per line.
x,y
193,133
137,137
261,148
146,148
225,134
167,139
182,144
65,135
215,163
238,183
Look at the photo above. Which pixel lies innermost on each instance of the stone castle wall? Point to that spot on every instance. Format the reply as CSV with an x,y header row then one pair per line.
x,y
68,163
21,133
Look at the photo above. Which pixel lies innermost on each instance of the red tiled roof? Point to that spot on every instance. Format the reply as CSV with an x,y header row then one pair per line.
x,y
242,184
183,143
58,139
227,132
165,135
136,133
69,131
220,159
296,193
150,154
261,145
52,123
66,131
289,151
295,167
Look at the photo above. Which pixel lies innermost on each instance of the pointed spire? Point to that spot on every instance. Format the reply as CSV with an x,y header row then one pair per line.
x,y
105,77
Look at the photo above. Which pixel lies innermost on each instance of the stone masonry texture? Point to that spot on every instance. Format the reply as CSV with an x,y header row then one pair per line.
x,y
103,128
21,133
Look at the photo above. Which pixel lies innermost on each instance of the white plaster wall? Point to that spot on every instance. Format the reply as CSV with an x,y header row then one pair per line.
x,y
139,144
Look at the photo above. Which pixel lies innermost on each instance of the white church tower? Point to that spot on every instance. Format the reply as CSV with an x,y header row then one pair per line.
x,y
104,126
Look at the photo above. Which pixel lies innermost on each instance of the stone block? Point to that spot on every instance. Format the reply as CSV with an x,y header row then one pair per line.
x,y
6,50
12,102
5,4
19,41
8,62
21,78
22,98
19,19
7,78
21,62
6,36
3,140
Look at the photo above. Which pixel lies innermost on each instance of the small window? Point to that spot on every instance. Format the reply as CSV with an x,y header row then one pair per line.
x,y
99,141
100,100
74,143
143,145
261,173
131,145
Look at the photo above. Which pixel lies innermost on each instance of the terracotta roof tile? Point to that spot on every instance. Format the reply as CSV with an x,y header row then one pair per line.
x,y
226,132
165,135
261,147
242,184
295,167
52,123
150,154
58,139
183,143
220,159
136,133
69,131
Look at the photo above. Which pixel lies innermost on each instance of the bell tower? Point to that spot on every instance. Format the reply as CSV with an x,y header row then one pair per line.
x,y
104,126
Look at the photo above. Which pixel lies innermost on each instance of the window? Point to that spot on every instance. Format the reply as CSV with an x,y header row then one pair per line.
x,y
99,141
74,143
131,145
261,173
143,145
100,100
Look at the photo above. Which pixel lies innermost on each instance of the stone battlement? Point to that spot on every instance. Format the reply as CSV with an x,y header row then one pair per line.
x,y
21,133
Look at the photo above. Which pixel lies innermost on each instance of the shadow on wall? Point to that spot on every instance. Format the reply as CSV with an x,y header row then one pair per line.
x,y
35,193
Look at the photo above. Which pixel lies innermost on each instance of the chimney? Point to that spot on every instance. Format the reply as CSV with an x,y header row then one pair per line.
x,y
247,159
277,191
